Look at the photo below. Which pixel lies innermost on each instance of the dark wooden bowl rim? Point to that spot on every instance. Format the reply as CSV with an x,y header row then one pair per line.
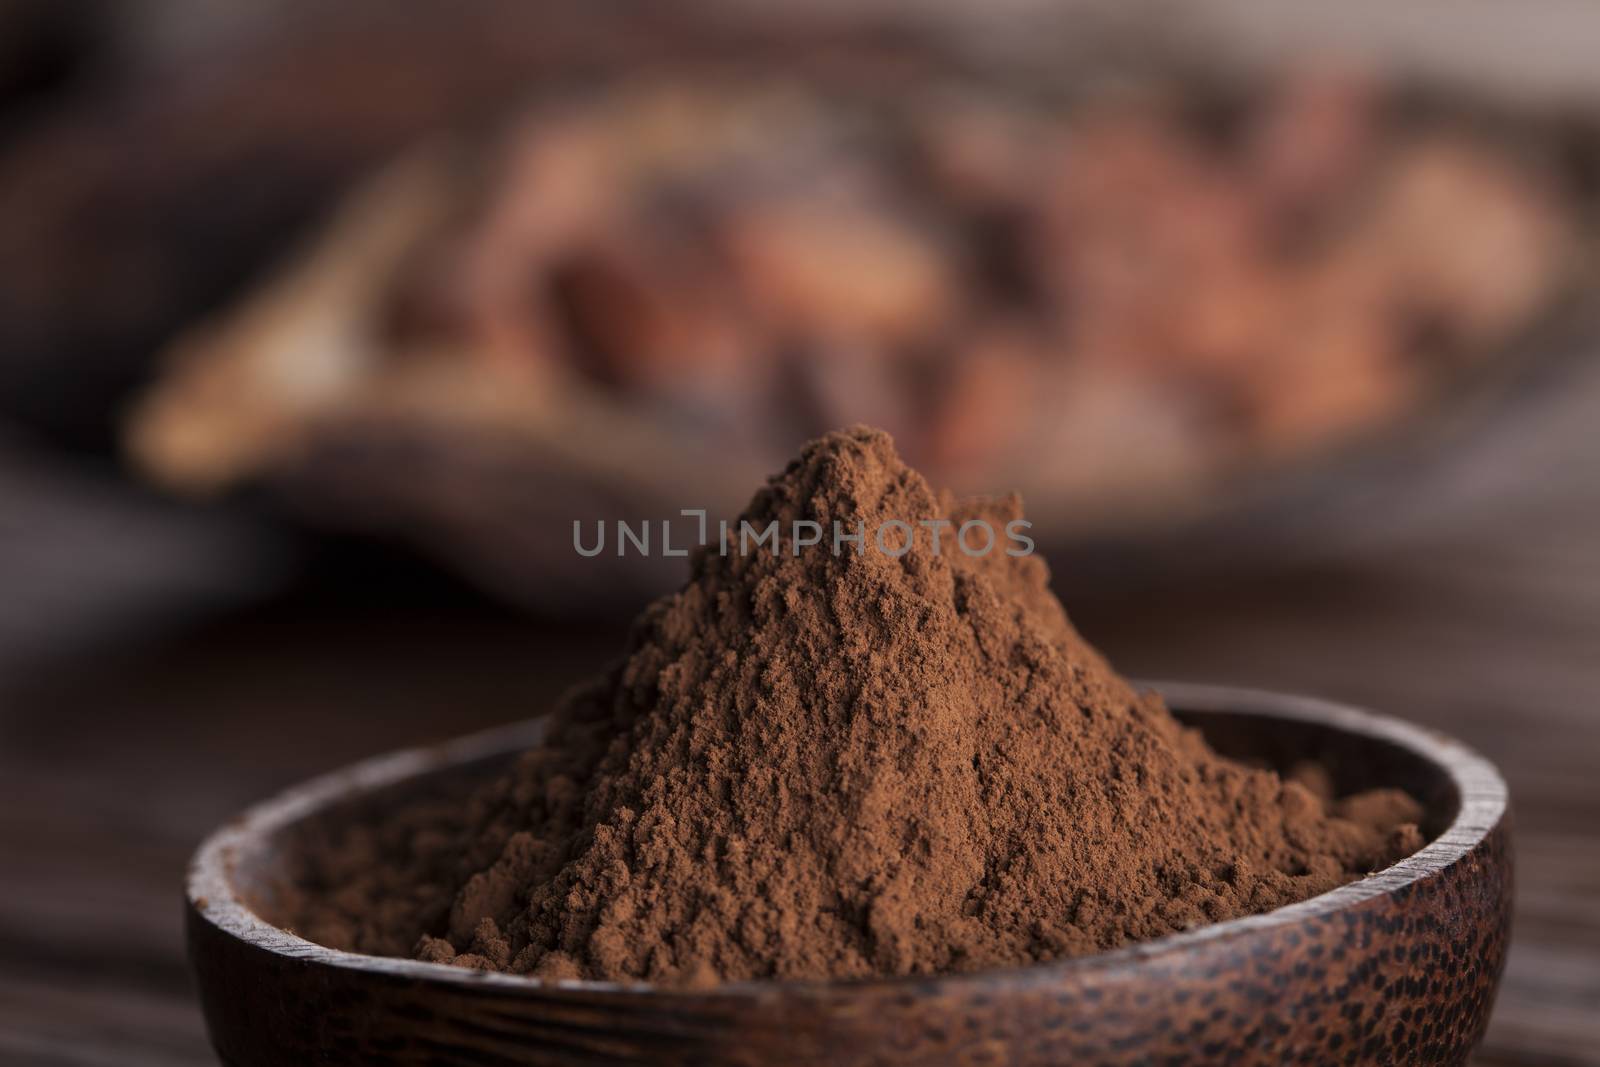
x,y
211,894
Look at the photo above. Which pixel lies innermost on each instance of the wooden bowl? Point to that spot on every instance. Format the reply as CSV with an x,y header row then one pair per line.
x,y
1399,968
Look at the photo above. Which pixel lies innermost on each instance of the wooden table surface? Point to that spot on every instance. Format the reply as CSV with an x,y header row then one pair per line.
x,y
146,693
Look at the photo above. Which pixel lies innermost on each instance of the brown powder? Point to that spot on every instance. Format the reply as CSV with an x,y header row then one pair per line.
x,y
816,765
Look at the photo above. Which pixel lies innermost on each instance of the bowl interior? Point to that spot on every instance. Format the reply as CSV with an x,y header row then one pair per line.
x,y
262,865
1354,761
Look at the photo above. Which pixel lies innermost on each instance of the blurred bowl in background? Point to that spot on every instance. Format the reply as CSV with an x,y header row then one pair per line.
x,y
1182,306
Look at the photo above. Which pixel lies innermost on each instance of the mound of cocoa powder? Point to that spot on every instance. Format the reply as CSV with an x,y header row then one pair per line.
x,y
812,765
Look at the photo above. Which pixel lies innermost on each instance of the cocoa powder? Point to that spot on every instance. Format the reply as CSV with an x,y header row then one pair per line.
x,y
814,765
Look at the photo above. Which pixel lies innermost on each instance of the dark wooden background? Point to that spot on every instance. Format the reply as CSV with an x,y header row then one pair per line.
x,y
161,669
